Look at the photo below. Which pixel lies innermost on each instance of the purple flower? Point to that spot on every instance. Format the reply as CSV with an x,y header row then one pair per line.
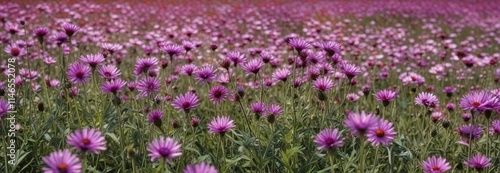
x,y
236,57
70,29
299,44
205,74
259,108
360,123
449,90
93,59
14,50
478,162
427,100
62,161
331,48
4,107
435,165
281,74
469,131
172,49
144,65
217,94
381,133
200,168
253,66
109,72
386,96
148,85
111,47
155,117
329,139
323,84
495,127
113,86
87,139
188,45
350,70
352,97
78,73
188,69
186,102
220,124
164,148
479,101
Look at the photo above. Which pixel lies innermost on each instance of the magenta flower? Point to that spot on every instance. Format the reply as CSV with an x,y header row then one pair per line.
x,y
281,74
479,101
144,65
353,97
4,107
360,123
381,133
350,70
87,139
200,168
323,84
92,60
495,127
331,48
70,29
109,72
164,148
113,86
217,94
329,139
469,131
78,73
148,85
427,100
62,161
236,57
111,47
188,69
253,66
186,102
478,162
386,96
172,49
299,44
14,51
205,74
435,165
220,125
259,109
155,117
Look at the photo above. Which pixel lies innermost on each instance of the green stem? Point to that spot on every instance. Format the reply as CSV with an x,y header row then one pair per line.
x,y
362,155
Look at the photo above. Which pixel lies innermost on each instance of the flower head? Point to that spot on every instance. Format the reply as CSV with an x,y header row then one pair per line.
x,y
281,74
109,72
435,165
329,139
78,73
381,133
386,96
495,127
299,44
186,102
205,74
62,161
360,123
93,59
217,94
148,86
164,148
113,86
4,107
479,101
200,168
155,117
14,50
236,57
427,100
478,162
253,66
172,49
323,84
144,65
87,140
70,29
220,124
350,70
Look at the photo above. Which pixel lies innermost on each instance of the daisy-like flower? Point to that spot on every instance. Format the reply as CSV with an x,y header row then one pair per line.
x,y
200,168
258,108
479,101
427,100
109,72
350,70
70,29
111,47
87,140
386,96
188,69
62,161
329,139
93,59
164,148
155,117
412,78
188,45
220,125
299,44
266,57
272,112
205,74
352,97
281,74
14,51
61,38
172,49
253,66
236,57
449,90
478,162
113,86
4,107
323,84
435,165
217,94
494,128
78,73
144,65
470,131
381,133
314,59
185,102
331,48
148,86
359,124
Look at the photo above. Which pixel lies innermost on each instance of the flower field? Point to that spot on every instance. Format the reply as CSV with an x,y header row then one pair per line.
x,y
250,86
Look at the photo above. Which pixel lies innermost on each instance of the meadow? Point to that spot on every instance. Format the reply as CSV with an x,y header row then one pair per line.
x,y
250,86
